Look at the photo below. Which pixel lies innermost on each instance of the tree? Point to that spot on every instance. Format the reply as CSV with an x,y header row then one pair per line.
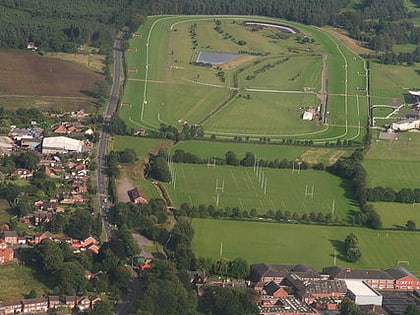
x,y
49,255
348,307
412,310
227,301
102,308
72,278
28,160
158,169
353,254
239,268
410,225
231,159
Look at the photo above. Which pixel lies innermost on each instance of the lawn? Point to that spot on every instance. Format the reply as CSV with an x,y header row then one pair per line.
x,y
4,211
17,281
282,243
396,215
243,188
164,87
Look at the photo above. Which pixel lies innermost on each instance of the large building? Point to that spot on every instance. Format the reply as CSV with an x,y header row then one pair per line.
x,y
377,279
362,294
277,272
61,144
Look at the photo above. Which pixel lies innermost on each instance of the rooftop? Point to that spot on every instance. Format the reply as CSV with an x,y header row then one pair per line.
x,y
361,288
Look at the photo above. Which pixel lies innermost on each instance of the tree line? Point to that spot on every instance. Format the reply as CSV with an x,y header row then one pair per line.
x,y
57,25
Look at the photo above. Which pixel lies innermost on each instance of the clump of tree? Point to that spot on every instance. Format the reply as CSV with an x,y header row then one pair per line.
x,y
352,169
158,167
187,132
410,225
351,248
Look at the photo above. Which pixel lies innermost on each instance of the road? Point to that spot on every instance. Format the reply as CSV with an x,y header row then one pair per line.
x,y
103,138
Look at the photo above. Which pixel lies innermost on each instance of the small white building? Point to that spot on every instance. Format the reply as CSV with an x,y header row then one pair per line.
x,y
308,116
405,125
362,294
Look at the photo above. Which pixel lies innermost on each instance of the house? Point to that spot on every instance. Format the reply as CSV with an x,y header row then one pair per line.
x,y
83,303
10,307
94,300
21,173
61,129
403,279
39,238
136,196
377,279
35,305
10,237
6,144
29,142
54,301
71,301
6,254
31,46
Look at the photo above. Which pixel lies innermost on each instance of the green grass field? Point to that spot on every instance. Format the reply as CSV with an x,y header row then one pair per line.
x,y
196,185
392,82
166,88
396,215
17,281
392,163
282,243
140,145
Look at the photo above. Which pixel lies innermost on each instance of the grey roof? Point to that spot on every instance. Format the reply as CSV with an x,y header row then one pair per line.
x,y
363,274
271,288
10,234
399,272
282,270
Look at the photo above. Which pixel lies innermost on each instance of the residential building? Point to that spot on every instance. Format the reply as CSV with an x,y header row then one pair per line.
x,y
136,196
35,305
11,237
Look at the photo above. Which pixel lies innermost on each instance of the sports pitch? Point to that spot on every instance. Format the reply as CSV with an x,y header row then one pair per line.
x,y
262,93
263,189
313,245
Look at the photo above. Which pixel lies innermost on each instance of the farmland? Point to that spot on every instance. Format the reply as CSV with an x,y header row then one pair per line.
x,y
164,87
29,80
244,189
313,245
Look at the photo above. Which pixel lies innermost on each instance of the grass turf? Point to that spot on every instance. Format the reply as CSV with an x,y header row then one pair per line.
x,y
396,215
196,185
283,243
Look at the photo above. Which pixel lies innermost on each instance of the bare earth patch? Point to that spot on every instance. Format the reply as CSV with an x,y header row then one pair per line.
x,y
333,158
123,185
236,62
143,243
313,156
351,43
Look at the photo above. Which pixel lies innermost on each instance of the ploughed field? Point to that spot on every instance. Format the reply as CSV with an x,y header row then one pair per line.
x,y
30,80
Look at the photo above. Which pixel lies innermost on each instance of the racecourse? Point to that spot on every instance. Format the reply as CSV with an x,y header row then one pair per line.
x,y
165,88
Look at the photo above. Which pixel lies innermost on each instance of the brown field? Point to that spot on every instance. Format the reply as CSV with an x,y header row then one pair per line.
x,y
93,62
237,61
29,80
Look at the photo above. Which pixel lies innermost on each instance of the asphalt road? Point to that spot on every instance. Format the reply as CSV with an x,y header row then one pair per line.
x,y
103,138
